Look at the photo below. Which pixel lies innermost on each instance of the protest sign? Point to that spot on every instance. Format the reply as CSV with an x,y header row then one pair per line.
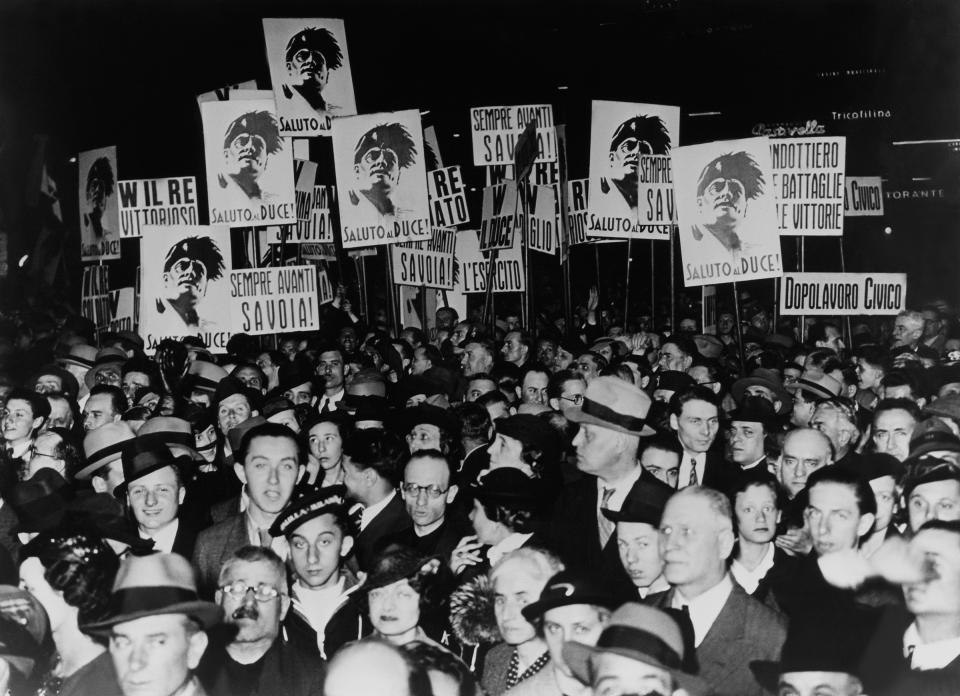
x,y
708,309
541,207
237,90
185,284
578,216
99,209
495,131
726,214
324,287
448,198
807,183
509,275
249,165
95,296
121,310
838,294
621,133
431,264
314,251
498,216
381,177
863,195
314,223
156,202
274,300
310,73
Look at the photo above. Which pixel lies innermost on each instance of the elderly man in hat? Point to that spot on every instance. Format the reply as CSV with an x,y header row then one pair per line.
x,y
158,627
641,651
612,419
639,135
377,160
309,57
724,188
190,264
247,144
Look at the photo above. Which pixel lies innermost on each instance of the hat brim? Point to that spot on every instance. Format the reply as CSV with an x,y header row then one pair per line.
x,y
207,614
538,608
90,379
578,416
90,469
374,582
621,516
577,656
785,397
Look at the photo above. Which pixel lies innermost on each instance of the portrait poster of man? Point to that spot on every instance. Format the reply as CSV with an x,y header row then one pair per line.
x,y
310,72
726,212
185,279
99,207
381,178
249,164
620,134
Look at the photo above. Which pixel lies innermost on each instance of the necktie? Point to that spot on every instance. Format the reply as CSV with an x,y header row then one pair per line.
x,y
604,525
326,406
694,479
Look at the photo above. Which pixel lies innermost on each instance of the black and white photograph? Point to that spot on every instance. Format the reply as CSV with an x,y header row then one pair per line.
x,y
99,206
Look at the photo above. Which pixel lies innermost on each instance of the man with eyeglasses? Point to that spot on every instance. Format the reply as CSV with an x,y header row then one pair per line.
x,y
247,144
190,265
724,188
310,56
378,158
565,391
427,492
255,658
639,135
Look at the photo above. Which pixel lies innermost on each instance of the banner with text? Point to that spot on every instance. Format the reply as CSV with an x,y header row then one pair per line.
x,y
578,215
99,209
807,184
495,130
509,275
541,209
95,296
448,198
498,217
833,294
863,195
274,300
161,202
121,310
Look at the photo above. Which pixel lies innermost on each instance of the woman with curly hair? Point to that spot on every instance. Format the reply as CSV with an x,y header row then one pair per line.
x,y
71,573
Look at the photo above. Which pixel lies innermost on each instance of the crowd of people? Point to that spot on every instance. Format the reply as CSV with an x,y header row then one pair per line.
x,y
476,509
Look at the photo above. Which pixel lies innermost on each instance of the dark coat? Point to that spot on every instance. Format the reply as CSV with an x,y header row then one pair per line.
x,y
745,630
440,542
213,547
8,521
287,669
392,519
495,666
347,624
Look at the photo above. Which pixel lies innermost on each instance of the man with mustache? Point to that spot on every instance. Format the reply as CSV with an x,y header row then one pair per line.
x,y
379,156
640,135
310,56
725,186
190,264
249,140
252,656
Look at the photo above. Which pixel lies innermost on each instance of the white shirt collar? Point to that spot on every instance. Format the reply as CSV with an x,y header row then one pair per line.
x,y
926,656
620,489
705,608
658,585
505,546
331,401
373,510
750,579
164,538
18,451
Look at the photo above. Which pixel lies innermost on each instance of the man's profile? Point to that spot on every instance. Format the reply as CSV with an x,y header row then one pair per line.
x,y
310,56
377,160
640,135
190,265
248,142
724,188
99,188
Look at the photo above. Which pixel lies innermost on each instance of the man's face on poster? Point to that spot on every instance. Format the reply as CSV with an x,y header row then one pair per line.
x,y
625,158
723,202
185,281
308,67
96,193
378,168
246,156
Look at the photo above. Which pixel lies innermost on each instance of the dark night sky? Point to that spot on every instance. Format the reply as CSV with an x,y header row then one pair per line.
x,y
93,73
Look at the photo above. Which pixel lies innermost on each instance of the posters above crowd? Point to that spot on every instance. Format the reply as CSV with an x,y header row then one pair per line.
x,y
578,215
122,314
498,217
274,300
430,264
185,285
249,165
541,219
863,195
495,130
310,73
161,202
318,251
381,177
95,296
726,212
509,274
324,287
621,134
99,209
838,294
228,92
807,182
448,197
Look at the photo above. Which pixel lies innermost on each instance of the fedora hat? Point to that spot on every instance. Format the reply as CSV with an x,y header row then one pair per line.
x,y
79,354
673,380
818,383
407,419
106,357
533,431
235,435
647,505
640,633
139,462
175,433
755,409
206,375
612,403
102,446
764,377
566,588
293,374
708,345
40,501
161,583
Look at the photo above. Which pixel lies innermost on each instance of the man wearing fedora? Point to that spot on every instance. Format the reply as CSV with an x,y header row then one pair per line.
x,y
612,419
696,541
640,651
572,606
297,383
157,629
102,448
